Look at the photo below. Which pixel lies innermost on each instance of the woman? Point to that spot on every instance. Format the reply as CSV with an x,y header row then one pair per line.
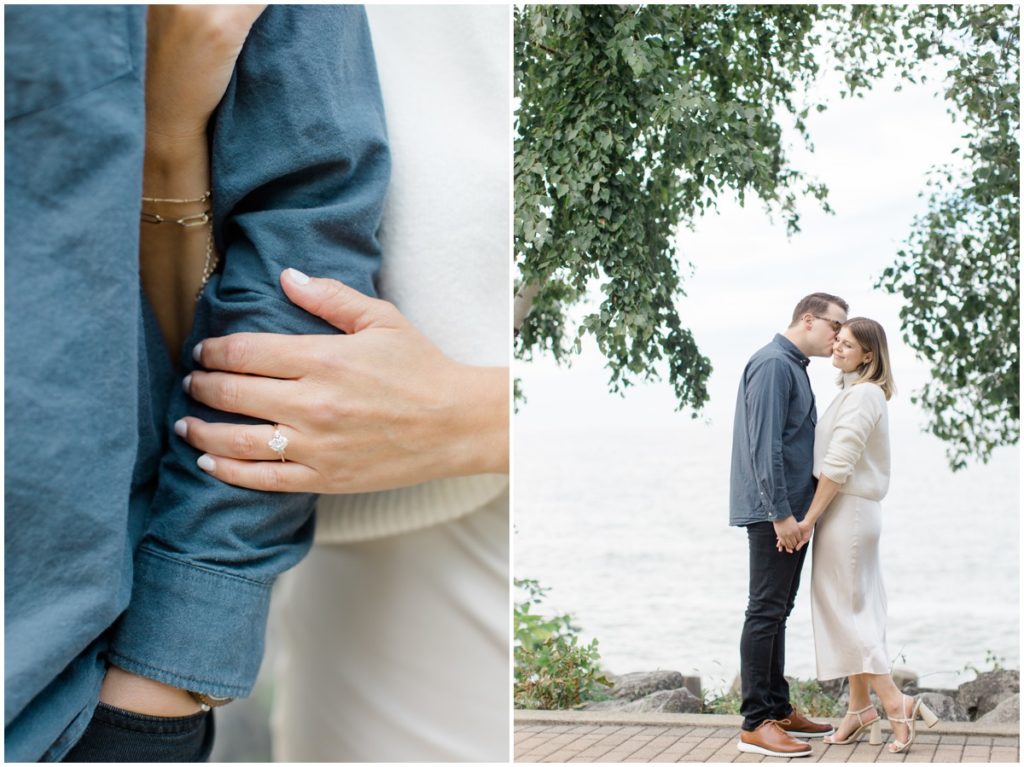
x,y
848,603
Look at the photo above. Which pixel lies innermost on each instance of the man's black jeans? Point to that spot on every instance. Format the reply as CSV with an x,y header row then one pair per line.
x,y
774,580
115,735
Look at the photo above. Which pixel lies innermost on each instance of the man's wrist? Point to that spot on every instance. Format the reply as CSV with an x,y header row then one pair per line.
x,y
131,692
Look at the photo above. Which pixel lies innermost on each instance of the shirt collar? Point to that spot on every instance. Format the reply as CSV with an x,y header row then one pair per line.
x,y
791,350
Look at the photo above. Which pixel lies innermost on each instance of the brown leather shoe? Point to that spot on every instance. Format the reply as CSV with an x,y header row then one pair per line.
x,y
800,726
769,739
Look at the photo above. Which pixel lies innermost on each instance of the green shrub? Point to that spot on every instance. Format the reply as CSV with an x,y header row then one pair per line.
x,y
806,695
553,669
810,699
727,702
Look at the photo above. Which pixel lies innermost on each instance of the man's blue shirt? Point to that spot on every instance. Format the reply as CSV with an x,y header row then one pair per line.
x,y
773,437
118,547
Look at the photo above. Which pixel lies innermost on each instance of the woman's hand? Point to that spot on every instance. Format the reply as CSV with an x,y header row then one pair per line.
x,y
806,528
191,52
378,408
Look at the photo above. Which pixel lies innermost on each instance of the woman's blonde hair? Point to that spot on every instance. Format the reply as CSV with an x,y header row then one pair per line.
x,y
871,337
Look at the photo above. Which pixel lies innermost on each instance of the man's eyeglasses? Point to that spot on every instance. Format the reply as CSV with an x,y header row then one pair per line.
x,y
836,325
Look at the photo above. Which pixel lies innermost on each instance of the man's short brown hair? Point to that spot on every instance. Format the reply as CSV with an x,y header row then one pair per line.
x,y
817,304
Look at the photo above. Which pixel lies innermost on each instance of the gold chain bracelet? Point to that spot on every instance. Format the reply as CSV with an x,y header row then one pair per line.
x,y
196,219
206,196
189,222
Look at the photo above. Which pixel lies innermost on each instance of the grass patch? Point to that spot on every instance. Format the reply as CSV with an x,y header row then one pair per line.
x,y
806,695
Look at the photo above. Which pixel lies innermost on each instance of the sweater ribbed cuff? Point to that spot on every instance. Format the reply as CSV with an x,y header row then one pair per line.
x,y
366,516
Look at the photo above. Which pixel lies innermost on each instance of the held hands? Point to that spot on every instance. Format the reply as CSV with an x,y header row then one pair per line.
x,y
788,534
378,408
792,535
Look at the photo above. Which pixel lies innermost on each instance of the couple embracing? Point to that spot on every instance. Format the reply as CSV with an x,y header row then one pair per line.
x,y
791,475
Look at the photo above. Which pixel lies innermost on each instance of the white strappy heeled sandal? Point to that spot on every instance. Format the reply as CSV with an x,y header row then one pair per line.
x,y
919,709
875,725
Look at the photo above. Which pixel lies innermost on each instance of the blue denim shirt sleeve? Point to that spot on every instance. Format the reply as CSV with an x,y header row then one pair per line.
x,y
300,167
768,394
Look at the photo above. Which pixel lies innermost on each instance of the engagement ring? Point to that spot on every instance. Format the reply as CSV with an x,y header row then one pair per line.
x,y
278,443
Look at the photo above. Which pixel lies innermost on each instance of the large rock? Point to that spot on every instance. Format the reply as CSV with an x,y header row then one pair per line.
x,y
1006,712
640,684
692,683
939,690
945,707
603,705
680,701
987,691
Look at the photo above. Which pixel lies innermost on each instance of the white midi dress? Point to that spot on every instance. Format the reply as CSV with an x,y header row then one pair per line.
x,y
848,600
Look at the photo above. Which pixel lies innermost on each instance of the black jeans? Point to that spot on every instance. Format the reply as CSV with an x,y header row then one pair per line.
x,y
774,580
115,735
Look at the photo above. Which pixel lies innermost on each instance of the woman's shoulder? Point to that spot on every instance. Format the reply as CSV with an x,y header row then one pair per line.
x,y
867,393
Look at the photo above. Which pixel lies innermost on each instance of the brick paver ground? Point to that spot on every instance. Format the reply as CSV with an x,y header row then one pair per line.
x,y
578,737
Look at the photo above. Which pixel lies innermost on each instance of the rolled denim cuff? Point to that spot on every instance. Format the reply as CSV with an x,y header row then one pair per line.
x,y
773,508
779,510
192,627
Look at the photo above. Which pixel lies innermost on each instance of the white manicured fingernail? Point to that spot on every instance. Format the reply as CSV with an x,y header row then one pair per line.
x,y
296,276
206,463
185,384
181,428
197,352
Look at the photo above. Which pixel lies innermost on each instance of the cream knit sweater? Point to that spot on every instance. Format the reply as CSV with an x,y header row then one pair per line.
x,y
445,76
851,441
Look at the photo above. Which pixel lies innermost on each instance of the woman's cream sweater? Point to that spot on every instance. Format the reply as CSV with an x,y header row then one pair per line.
x,y
851,441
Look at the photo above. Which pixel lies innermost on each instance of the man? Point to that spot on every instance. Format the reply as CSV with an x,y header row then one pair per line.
x,y
128,568
771,487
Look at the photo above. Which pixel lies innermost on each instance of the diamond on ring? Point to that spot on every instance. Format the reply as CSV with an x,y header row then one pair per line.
x,y
278,443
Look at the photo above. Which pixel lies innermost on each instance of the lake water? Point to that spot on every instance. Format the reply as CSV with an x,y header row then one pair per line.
x,y
628,527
